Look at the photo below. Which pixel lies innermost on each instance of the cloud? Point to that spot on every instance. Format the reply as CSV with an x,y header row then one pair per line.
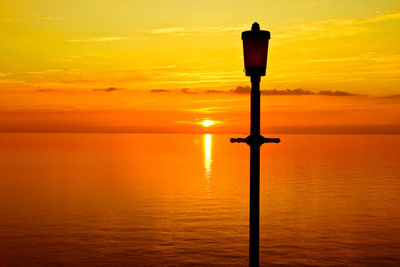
x,y
44,71
233,29
342,59
393,96
48,18
9,20
169,30
52,18
211,91
335,93
296,91
291,92
241,90
109,89
186,91
160,91
382,17
333,28
207,110
247,89
10,81
164,67
202,30
317,29
100,39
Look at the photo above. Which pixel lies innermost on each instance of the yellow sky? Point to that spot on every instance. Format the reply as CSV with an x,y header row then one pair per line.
x,y
61,56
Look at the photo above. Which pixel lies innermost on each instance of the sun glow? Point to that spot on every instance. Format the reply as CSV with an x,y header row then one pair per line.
x,y
207,123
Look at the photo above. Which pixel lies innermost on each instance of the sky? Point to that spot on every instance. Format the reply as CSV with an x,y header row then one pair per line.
x,y
168,66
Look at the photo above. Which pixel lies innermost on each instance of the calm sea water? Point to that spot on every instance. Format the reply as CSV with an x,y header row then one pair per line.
x,y
173,200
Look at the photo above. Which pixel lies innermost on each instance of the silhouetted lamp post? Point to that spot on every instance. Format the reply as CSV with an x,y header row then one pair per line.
x,y
255,50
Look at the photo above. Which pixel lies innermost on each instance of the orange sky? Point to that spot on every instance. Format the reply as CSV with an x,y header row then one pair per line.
x,y
131,66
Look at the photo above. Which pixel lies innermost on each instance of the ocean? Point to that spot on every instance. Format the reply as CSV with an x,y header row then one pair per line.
x,y
183,200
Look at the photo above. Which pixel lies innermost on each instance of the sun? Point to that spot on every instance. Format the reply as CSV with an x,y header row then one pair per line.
x,y
207,123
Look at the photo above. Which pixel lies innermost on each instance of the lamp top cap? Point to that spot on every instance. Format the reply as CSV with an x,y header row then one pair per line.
x,y
256,32
255,26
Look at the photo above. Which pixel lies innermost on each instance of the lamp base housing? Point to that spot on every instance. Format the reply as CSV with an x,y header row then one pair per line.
x,y
255,71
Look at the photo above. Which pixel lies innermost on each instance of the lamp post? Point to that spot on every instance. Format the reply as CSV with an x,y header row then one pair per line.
x,y
255,50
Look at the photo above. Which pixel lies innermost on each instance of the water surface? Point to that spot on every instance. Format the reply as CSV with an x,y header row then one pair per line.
x,y
163,199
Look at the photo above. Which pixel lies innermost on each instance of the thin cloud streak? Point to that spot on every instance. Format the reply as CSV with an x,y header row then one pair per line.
x,y
100,39
184,31
109,89
333,28
318,29
160,91
169,30
53,18
44,71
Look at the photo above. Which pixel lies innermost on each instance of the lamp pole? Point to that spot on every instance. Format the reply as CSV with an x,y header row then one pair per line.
x,y
255,139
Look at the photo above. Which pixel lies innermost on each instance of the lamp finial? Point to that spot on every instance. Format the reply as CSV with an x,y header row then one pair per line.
x,y
255,26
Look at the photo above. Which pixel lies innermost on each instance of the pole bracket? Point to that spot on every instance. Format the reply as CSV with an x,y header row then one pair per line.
x,y
255,140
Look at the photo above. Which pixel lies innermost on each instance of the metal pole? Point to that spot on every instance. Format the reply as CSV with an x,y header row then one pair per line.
x,y
254,174
254,140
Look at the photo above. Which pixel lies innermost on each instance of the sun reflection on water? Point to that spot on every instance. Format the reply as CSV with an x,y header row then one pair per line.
x,y
207,160
207,154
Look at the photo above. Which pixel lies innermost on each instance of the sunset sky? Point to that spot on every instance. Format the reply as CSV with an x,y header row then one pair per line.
x,y
168,66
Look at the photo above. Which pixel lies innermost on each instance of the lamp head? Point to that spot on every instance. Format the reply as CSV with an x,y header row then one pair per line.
x,y
255,50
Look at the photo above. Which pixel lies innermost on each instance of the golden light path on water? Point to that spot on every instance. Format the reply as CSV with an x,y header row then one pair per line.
x,y
207,160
